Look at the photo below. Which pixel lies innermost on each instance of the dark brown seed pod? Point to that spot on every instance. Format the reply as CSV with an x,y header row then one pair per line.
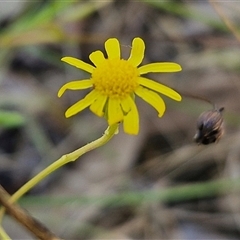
x,y
209,127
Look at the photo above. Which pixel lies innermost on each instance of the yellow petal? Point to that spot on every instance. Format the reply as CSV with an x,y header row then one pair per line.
x,y
75,85
82,104
79,64
97,58
152,98
131,120
137,52
125,105
115,113
112,48
97,106
158,87
160,67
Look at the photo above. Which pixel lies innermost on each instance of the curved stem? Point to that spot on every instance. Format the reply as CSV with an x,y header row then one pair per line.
x,y
70,157
189,95
3,234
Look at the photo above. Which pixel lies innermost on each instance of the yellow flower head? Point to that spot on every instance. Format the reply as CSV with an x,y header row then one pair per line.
x,y
114,82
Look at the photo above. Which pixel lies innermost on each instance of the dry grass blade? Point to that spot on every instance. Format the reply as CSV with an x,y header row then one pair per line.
x,y
33,225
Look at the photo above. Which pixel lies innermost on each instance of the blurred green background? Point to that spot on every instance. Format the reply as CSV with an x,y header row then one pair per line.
x,y
157,185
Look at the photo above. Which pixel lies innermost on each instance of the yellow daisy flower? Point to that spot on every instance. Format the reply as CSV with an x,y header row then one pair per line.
x,y
114,82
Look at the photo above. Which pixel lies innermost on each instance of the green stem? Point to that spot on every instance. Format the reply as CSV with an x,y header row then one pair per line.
x,y
3,234
70,157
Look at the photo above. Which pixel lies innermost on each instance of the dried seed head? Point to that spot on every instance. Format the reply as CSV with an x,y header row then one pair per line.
x,y
210,127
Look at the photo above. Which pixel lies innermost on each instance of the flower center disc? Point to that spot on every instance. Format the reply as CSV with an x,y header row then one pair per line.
x,y
115,78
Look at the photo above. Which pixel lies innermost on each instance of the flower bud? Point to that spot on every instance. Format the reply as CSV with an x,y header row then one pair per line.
x,y
209,127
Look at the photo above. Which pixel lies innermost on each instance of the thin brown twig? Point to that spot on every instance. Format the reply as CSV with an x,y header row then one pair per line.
x,y
33,225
